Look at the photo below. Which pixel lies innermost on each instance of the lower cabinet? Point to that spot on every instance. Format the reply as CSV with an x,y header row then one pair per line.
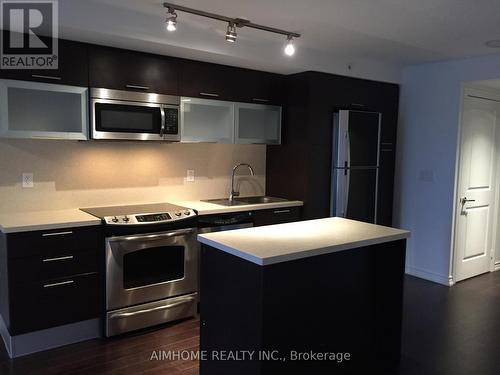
x,y
276,216
53,278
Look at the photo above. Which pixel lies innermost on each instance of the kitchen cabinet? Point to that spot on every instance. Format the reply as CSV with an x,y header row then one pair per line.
x,y
259,87
209,81
276,216
257,123
43,110
206,80
218,121
205,120
72,67
119,69
306,143
51,278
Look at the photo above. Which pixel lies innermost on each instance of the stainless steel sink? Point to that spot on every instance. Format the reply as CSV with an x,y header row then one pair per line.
x,y
245,200
260,200
224,202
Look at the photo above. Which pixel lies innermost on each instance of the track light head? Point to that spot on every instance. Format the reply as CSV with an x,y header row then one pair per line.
x,y
289,47
171,21
231,32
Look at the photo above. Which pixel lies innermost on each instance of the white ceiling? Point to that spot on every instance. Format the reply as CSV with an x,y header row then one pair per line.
x,y
375,37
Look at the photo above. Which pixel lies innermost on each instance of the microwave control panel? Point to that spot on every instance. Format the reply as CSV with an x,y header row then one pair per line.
x,y
171,120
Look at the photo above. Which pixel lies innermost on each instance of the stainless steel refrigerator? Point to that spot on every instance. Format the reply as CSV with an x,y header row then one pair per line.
x,y
356,149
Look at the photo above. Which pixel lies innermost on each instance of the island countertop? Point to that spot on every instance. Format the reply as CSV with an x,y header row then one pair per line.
x,y
284,242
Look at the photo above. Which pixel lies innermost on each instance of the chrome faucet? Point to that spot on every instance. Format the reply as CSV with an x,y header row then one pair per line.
x,y
233,192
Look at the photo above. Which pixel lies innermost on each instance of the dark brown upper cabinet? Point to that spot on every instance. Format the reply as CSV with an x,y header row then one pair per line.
x,y
259,87
72,67
119,69
213,81
209,81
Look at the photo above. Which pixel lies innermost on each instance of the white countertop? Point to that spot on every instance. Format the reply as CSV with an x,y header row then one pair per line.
x,y
206,208
283,242
55,219
45,220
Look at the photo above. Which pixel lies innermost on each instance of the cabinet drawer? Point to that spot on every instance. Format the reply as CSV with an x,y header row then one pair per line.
x,y
23,270
55,243
276,216
41,305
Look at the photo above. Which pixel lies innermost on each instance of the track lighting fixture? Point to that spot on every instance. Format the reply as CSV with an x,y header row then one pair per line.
x,y
289,47
231,32
233,23
171,20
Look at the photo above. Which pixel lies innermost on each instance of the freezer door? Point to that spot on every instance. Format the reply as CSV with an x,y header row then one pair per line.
x,y
357,138
355,194
363,136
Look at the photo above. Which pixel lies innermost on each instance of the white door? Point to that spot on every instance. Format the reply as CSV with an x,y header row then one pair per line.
x,y
476,206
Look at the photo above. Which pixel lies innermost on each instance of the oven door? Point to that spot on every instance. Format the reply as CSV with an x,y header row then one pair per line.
x,y
148,267
117,119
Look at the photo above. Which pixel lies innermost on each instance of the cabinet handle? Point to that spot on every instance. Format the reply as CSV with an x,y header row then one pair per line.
x,y
209,94
46,77
137,87
261,100
259,143
69,257
57,234
281,211
59,284
357,105
386,143
386,150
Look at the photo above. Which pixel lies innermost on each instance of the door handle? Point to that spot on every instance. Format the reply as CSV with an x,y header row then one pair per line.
x,y
464,200
183,301
162,114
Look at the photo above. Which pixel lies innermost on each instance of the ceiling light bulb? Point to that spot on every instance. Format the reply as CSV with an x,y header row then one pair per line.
x,y
171,20
171,25
231,33
289,48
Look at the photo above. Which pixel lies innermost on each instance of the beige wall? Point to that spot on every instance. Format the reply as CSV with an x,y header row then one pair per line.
x,y
69,174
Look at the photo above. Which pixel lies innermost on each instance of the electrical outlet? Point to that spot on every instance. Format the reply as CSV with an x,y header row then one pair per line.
x,y
28,180
190,175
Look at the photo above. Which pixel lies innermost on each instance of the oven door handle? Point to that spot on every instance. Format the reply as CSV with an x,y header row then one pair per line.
x,y
153,237
180,302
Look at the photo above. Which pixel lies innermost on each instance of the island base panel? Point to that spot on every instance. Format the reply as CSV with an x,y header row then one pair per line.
x,y
346,302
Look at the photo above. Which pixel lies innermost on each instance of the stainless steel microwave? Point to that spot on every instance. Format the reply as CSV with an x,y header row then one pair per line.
x,y
138,116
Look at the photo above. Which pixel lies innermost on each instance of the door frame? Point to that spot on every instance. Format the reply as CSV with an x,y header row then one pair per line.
x,y
471,88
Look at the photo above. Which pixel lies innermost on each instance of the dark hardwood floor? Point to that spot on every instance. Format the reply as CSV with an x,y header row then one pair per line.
x,y
445,331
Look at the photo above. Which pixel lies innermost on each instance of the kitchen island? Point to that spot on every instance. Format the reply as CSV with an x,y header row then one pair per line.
x,y
320,296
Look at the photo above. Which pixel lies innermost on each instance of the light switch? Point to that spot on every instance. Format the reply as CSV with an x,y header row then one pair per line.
x,y
190,175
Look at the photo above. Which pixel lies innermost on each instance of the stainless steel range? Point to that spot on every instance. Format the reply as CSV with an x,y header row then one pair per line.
x,y
152,267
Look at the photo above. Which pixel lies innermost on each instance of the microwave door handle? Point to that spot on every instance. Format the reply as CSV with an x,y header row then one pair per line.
x,y
162,113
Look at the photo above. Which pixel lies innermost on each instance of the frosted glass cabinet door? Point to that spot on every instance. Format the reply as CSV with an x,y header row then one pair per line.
x,y
257,123
43,110
204,120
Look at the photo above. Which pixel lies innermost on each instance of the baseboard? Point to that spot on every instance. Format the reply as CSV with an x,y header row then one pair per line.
x,y
33,342
431,276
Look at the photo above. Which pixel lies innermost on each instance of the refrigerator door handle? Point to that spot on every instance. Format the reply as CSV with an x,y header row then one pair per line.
x,y
346,191
348,148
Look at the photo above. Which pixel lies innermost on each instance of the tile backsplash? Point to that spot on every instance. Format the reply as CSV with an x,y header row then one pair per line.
x,y
69,174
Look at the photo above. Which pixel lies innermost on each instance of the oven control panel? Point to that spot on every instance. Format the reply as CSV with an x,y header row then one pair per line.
x,y
150,218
